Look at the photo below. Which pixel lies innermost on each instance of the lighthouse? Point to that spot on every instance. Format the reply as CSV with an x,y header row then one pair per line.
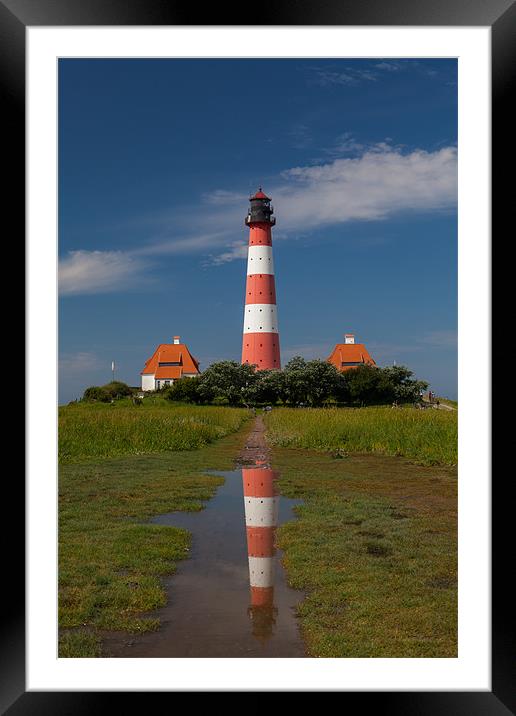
x,y
260,345
261,501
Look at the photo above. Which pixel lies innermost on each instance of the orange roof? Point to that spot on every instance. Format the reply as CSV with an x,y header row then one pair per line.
x,y
171,353
169,372
350,353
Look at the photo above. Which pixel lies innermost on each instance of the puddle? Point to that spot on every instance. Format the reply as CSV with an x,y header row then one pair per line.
x,y
230,598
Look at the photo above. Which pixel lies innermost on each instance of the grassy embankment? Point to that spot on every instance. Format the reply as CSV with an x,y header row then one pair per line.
x,y
104,430
120,465
428,437
375,544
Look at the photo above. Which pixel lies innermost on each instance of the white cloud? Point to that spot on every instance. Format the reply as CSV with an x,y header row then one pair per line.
x,y
379,182
382,181
221,196
83,272
346,144
237,251
181,245
376,185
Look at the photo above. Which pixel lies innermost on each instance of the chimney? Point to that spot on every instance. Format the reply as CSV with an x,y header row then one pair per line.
x,y
176,340
349,338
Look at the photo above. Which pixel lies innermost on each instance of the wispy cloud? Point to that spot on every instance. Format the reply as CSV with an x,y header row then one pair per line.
x,y
83,272
331,76
96,272
176,245
220,196
389,66
379,183
376,71
237,251
337,76
346,143
372,184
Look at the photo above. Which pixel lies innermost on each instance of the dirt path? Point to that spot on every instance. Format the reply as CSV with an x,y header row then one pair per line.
x,y
441,406
255,447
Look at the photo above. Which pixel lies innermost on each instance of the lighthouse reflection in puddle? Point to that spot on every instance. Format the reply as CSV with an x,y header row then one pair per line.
x,y
261,501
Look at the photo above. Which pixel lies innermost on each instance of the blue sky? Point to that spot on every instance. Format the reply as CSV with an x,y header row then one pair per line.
x,y
157,159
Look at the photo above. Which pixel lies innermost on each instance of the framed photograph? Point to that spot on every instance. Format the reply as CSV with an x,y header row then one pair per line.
x,y
368,113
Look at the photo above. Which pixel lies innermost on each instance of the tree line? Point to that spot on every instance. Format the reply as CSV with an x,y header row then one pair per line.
x,y
311,383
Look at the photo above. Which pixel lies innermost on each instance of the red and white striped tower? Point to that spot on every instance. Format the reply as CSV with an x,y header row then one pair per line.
x,y
260,345
261,518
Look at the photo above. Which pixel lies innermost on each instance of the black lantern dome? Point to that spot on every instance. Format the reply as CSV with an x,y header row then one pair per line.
x,y
260,210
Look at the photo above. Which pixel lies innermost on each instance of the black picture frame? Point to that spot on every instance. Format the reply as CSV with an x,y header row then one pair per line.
x,y
500,15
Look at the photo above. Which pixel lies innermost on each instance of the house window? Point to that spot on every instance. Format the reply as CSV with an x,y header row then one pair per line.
x,y
158,384
166,363
166,383
356,362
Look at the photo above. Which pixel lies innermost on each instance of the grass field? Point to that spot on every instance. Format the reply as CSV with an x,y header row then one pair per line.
x,y
374,544
110,560
428,437
101,430
375,547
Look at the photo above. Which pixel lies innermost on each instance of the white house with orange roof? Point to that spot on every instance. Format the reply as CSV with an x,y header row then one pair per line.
x,y
349,354
169,362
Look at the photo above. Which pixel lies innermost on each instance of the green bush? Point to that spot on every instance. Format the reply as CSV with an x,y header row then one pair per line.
x,y
185,390
117,389
370,385
105,393
229,380
220,400
96,394
312,383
